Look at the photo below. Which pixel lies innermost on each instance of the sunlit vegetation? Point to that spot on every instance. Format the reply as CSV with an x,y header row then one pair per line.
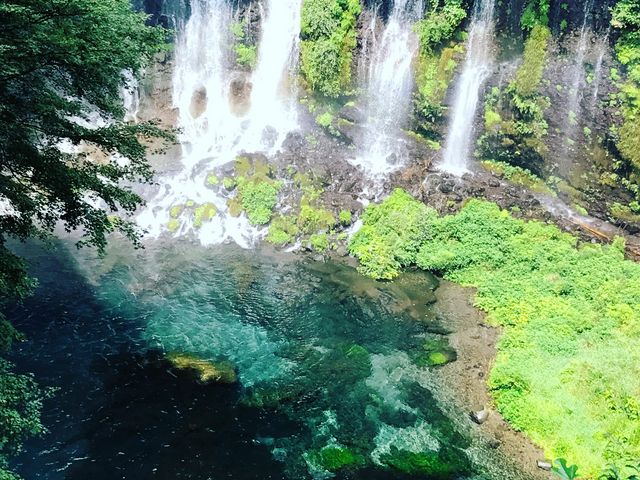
x,y
437,60
515,125
328,33
626,19
568,362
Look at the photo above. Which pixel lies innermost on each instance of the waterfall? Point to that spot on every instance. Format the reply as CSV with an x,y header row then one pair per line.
x,y
130,94
597,70
213,129
273,98
477,67
389,86
577,81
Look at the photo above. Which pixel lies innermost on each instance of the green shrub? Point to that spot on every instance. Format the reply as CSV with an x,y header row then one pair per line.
x,y
282,230
568,362
345,217
315,219
392,233
319,242
258,198
246,52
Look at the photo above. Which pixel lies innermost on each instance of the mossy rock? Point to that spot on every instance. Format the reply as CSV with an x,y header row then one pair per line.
x,y
205,371
176,210
436,352
235,207
345,217
430,464
173,225
204,213
334,458
283,230
212,179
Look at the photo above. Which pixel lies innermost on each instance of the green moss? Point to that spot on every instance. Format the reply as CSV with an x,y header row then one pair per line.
x,y
517,175
319,242
345,217
283,230
212,179
315,219
334,458
515,118
258,199
434,74
229,183
325,119
328,32
569,357
176,210
204,213
190,204
436,352
173,225
423,463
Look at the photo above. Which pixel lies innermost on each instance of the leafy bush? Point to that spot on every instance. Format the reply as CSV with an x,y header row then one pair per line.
x,y
258,198
283,230
392,233
568,363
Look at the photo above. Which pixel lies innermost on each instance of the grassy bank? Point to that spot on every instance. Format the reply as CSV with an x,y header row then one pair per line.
x,y
567,372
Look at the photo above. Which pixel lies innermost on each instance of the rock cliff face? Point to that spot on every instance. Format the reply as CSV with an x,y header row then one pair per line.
x,y
568,142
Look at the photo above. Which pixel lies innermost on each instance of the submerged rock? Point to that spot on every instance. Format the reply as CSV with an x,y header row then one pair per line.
x,y
205,370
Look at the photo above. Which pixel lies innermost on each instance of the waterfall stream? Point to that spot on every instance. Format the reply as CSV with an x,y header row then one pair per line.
x,y
214,127
389,86
477,67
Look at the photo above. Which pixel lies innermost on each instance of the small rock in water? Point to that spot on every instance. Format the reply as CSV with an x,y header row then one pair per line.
x,y
480,416
544,465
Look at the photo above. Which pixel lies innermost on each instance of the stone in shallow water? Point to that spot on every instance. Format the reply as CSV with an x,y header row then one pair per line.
x,y
205,371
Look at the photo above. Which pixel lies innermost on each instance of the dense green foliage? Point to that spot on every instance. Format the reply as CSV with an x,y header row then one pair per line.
x,y
62,64
437,61
514,117
246,51
328,41
391,236
626,18
567,310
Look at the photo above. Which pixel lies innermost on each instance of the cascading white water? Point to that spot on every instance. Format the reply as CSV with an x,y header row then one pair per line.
x,y
389,86
213,132
577,80
478,65
273,98
130,97
597,70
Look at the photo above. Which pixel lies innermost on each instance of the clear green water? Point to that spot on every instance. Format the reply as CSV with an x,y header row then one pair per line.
x,y
331,366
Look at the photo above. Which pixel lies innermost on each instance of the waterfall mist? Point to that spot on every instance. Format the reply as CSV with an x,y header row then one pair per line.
x,y
477,67
214,129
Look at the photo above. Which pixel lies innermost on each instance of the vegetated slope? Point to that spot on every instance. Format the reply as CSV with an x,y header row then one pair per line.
x,y
567,372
